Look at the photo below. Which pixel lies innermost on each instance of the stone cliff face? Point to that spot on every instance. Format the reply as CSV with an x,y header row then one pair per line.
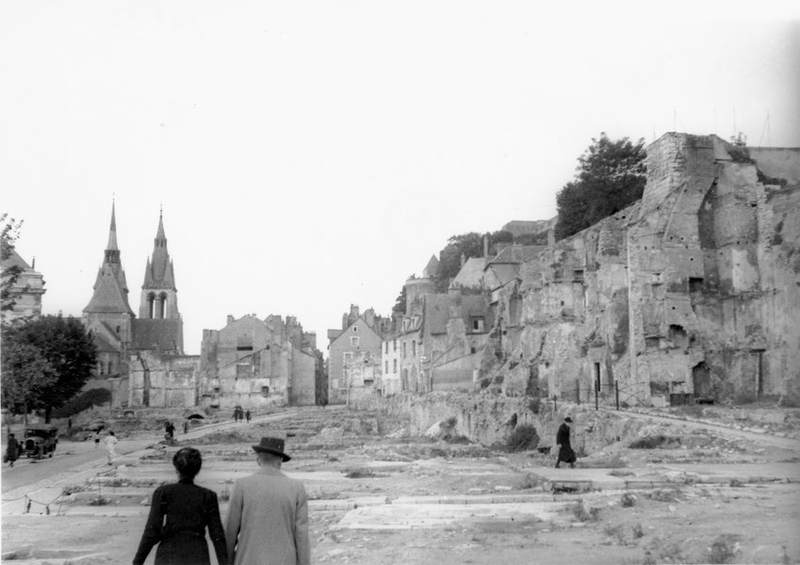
x,y
693,290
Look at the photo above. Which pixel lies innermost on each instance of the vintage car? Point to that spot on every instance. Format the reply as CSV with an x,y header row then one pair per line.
x,y
40,440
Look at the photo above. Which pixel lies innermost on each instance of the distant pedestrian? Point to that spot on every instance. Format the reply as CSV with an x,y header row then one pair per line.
x,y
111,446
69,425
268,513
235,414
186,426
247,415
565,452
180,513
12,450
96,439
170,427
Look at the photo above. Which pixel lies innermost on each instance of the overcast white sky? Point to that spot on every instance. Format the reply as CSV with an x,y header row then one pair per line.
x,y
310,155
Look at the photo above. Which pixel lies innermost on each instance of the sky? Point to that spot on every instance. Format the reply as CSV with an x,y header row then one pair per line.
x,y
312,155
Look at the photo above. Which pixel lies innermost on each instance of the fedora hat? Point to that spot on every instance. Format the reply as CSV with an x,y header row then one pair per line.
x,y
272,445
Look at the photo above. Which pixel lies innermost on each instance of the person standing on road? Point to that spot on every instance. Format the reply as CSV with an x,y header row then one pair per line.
x,y
12,450
565,452
180,513
268,513
111,446
247,415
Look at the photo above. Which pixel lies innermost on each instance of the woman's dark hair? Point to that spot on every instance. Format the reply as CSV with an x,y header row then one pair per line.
x,y
187,461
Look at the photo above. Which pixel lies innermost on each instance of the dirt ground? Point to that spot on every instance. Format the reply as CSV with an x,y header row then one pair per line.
x,y
380,496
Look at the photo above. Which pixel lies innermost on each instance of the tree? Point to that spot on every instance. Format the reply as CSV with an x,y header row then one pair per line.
x,y
400,303
26,374
69,351
9,232
611,175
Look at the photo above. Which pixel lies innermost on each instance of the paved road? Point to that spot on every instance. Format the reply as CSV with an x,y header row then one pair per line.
x,y
73,462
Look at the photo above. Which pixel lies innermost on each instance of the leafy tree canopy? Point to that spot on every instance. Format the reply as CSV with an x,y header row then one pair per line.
x,y
65,347
9,232
610,176
400,303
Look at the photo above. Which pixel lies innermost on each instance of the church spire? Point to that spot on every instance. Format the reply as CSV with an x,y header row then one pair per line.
x,y
112,251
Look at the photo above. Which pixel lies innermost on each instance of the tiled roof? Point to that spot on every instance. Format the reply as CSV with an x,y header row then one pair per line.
x,y
517,253
471,274
165,335
110,292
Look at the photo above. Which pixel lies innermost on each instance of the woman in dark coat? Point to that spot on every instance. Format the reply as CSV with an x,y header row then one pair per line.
x,y
179,516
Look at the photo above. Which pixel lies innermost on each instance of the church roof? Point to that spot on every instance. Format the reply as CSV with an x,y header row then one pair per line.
x,y
159,272
165,335
110,292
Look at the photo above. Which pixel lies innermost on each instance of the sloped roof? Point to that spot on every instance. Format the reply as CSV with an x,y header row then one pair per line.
x,y
431,268
516,254
470,275
110,292
159,272
164,334
437,310
14,260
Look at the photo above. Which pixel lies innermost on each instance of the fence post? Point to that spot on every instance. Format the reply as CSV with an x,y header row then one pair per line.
x,y
555,403
596,398
616,392
578,392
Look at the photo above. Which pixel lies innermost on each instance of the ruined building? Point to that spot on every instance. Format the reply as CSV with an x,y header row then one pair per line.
x,y
692,292
256,363
354,353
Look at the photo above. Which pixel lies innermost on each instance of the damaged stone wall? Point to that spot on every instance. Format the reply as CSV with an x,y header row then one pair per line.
x,y
691,291
159,382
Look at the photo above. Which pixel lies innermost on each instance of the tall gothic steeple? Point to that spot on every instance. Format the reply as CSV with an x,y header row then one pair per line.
x,y
110,288
159,293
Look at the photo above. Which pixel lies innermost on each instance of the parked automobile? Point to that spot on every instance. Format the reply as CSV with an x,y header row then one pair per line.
x,y
40,440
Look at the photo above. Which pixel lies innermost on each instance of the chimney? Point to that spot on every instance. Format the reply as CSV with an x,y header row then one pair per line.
x,y
344,322
354,311
369,317
485,250
230,319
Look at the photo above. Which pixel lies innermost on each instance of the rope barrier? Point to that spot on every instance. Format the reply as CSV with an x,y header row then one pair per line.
x,y
89,483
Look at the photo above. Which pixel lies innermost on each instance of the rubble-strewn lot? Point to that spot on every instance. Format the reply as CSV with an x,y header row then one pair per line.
x,y
379,496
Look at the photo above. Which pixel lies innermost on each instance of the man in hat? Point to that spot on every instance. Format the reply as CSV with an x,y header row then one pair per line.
x,y
268,513
565,452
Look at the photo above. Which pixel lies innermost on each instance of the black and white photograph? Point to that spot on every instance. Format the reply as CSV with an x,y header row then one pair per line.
x,y
392,283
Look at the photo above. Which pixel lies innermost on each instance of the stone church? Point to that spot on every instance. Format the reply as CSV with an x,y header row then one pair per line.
x,y
141,359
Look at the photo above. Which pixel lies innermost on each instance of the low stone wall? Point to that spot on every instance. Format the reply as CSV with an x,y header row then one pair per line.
x,y
489,418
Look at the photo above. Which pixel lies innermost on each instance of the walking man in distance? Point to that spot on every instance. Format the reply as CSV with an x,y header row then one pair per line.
x,y
565,452
267,519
